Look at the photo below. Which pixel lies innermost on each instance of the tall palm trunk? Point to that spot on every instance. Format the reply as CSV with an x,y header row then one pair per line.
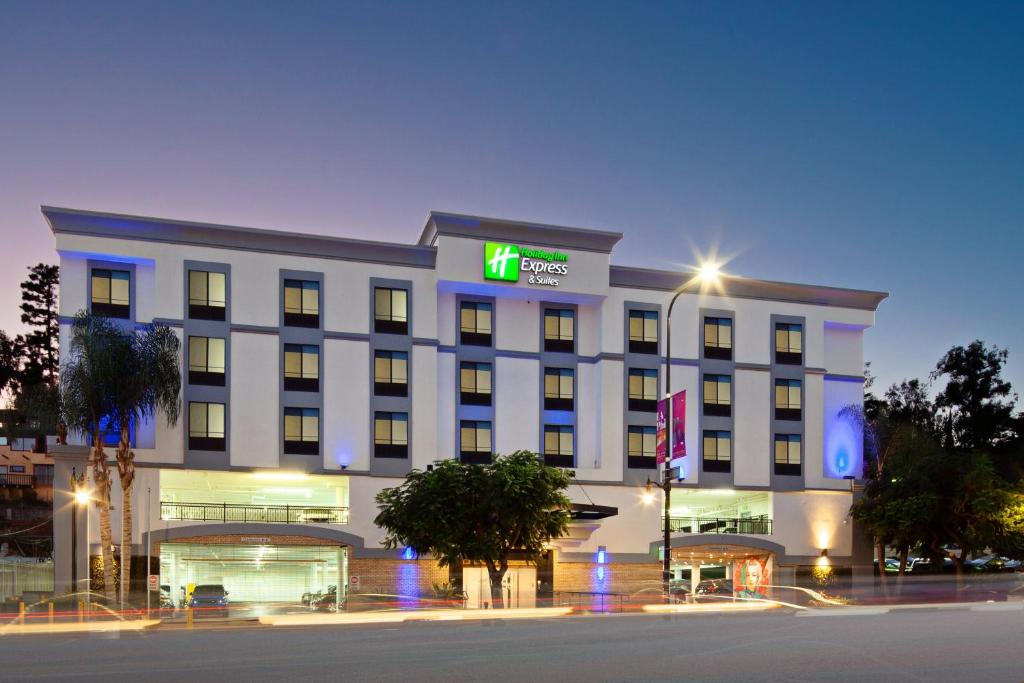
x,y
126,472
101,478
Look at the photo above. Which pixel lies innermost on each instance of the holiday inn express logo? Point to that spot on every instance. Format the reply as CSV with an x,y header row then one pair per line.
x,y
506,261
501,262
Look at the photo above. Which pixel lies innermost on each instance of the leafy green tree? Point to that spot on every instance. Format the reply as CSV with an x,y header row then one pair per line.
x,y
975,408
149,382
86,407
478,513
8,361
39,346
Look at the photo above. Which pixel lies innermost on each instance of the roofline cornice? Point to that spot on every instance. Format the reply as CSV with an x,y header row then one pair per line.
x,y
538,234
64,221
747,288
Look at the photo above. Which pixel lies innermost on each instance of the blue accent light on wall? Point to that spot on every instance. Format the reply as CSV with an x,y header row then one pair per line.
x,y
600,574
602,554
408,553
843,444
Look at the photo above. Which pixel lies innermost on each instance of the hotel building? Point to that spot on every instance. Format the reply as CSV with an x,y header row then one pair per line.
x,y
319,370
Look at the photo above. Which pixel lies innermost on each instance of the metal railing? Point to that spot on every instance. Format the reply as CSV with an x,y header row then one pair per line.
x,y
267,514
720,525
8,479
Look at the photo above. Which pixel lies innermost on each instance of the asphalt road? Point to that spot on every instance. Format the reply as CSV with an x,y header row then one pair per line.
x,y
983,644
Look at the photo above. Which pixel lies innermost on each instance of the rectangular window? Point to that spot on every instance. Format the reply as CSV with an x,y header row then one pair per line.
x,y
475,384
787,399
390,373
558,389
302,303
718,395
390,310
558,330
558,446
111,297
207,295
717,451
301,431
391,435
43,475
643,390
475,323
206,361
301,367
787,454
206,426
718,338
643,332
475,442
789,343
640,448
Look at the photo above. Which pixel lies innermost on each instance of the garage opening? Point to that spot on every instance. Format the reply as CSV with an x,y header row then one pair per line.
x,y
251,574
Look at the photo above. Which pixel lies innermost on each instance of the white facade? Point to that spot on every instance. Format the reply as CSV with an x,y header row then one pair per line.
x,y
446,268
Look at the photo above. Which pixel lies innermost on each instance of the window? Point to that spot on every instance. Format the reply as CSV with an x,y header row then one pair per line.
x,y
787,454
301,431
390,310
110,293
206,361
475,384
558,330
475,440
640,448
787,399
301,303
391,435
207,295
206,426
558,390
788,343
558,446
301,367
717,451
643,332
718,338
643,390
718,395
17,469
475,323
43,475
390,373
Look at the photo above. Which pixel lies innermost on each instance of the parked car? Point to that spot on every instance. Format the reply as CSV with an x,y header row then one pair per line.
x,y
209,600
718,588
993,563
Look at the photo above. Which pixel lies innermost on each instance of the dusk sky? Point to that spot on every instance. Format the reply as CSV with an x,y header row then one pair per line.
x,y
866,145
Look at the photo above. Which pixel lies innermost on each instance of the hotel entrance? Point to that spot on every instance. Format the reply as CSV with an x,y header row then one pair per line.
x,y
712,572
253,571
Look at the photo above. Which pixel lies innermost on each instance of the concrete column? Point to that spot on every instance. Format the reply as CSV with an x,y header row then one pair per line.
x,y
66,459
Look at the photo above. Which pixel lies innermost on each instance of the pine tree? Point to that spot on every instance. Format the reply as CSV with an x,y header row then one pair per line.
x,y
8,361
38,348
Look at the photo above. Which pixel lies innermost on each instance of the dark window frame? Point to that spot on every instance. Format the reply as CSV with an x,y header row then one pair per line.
x,y
473,336
390,387
207,442
560,401
559,344
197,309
476,456
717,463
559,458
642,344
390,449
302,446
641,461
788,356
206,377
642,403
716,408
389,323
475,397
302,382
109,308
788,468
716,349
301,317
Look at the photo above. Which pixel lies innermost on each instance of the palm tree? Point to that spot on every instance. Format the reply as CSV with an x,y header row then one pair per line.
x,y
86,408
149,381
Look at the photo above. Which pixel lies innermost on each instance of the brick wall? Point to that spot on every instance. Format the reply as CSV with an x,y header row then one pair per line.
x,y
626,578
414,578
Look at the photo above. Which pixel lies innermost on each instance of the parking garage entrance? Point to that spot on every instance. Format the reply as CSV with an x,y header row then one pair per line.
x,y
253,570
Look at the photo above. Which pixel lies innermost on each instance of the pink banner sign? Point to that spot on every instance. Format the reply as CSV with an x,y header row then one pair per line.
x,y
679,425
660,445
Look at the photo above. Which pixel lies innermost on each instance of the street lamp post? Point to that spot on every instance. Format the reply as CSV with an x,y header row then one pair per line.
x,y
77,489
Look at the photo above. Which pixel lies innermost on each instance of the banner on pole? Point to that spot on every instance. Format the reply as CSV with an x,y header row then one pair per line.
x,y
679,425
660,443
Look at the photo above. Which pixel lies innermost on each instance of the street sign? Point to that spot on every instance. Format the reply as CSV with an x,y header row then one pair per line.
x,y
353,582
672,473
154,581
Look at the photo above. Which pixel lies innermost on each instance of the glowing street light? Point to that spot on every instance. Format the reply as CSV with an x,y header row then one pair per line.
x,y
708,272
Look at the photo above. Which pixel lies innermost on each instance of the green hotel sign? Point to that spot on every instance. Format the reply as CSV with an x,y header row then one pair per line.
x,y
506,262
